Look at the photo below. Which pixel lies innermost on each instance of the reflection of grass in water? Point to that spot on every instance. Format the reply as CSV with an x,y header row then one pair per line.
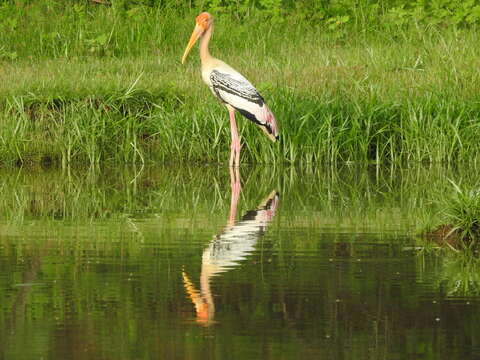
x,y
341,198
460,274
456,273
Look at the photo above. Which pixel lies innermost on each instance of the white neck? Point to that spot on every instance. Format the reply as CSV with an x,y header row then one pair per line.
x,y
204,52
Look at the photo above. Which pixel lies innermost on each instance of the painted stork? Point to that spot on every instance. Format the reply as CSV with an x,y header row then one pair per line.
x,y
231,88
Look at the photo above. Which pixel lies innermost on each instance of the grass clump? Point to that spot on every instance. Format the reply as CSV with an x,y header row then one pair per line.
x,y
462,211
459,218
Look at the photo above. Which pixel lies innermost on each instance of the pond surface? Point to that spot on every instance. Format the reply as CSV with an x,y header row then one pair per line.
x,y
208,263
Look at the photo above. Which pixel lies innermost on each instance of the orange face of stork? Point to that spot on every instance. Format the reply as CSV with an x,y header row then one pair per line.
x,y
202,23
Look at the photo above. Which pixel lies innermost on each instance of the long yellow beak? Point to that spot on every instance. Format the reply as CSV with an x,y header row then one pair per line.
x,y
197,32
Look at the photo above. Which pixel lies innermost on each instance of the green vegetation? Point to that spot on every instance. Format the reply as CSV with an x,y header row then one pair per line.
x,y
461,211
87,83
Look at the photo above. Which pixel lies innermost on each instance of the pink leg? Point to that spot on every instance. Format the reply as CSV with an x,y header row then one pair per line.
x,y
235,147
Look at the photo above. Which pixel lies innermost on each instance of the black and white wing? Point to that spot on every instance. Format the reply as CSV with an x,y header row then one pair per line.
x,y
233,89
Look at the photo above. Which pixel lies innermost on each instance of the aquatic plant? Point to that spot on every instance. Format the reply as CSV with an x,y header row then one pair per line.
x,y
462,210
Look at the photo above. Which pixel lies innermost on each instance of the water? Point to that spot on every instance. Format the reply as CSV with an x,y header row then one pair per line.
x,y
205,263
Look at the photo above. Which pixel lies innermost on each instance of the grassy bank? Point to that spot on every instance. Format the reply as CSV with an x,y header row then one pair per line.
x,y
89,84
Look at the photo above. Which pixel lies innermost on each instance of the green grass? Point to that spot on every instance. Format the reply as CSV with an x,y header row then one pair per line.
x,y
93,84
456,224
461,210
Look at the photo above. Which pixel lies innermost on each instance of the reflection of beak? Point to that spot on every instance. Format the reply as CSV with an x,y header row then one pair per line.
x,y
202,308
197,32
192,292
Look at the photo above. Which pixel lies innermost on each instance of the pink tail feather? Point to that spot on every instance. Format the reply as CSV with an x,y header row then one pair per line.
x,y
269,125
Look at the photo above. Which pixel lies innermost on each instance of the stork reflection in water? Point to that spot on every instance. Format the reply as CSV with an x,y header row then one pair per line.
x,y
227,249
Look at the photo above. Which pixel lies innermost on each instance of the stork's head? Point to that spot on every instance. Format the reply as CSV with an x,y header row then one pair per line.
x,y
204,20
202,23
